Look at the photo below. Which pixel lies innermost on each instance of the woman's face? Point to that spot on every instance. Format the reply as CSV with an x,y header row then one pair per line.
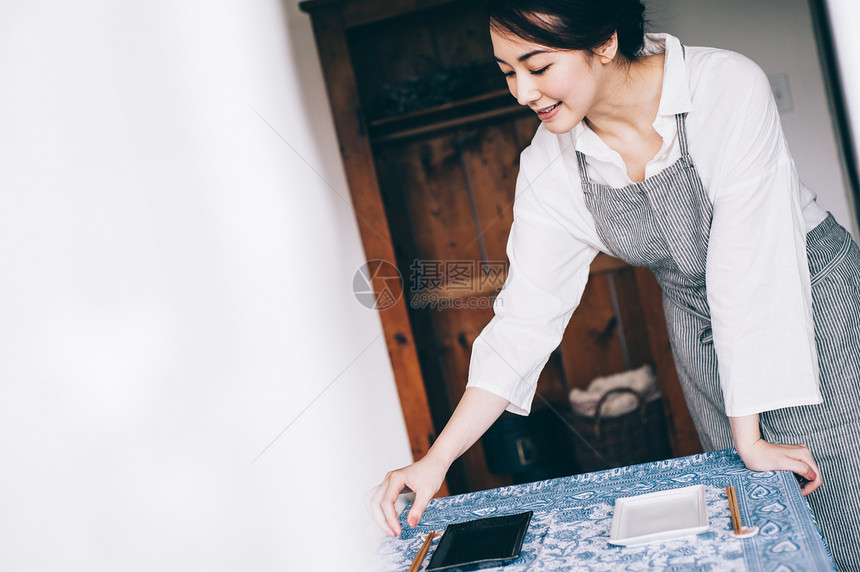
x,y
561,86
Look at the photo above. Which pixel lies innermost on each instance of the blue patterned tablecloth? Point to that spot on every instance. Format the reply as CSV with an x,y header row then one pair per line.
x,y
573,516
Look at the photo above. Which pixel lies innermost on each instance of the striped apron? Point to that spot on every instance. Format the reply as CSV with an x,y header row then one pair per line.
x,y
664,223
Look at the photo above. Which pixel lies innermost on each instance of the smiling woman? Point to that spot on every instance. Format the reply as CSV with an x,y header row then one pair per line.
x,y
561,86
672,158
542,79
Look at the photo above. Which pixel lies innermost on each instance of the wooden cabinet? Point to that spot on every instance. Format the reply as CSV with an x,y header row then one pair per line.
x,y
430,139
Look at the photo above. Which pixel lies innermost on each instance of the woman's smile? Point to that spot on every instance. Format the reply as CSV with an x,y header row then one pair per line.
x,y
548,113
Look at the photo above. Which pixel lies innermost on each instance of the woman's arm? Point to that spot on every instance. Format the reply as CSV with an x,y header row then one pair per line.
x,y
477,410
759,455
549,255
758,283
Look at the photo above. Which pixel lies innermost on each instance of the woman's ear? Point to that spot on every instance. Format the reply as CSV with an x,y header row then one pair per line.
x,y
608,50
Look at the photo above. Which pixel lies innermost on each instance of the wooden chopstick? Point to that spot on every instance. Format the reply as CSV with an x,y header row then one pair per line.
x,y
733,507
419,558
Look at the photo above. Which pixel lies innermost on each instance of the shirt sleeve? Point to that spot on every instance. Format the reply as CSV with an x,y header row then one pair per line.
x,y
758,279
547,275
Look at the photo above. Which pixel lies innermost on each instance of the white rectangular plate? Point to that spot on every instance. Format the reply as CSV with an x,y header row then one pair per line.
x,y
660,516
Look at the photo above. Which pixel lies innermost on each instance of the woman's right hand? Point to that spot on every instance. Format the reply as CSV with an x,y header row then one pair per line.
x,y
423,477
476,411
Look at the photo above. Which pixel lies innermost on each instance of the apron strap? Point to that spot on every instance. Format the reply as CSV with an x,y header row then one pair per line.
x,y
583,169
681,123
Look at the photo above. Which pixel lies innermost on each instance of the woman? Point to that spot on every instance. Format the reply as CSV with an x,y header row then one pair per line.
x,y
672,158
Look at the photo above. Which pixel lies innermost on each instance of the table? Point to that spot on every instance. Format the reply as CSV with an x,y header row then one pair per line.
x,y
573,515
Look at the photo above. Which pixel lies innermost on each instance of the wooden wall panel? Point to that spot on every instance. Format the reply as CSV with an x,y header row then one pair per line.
x,y
362,12
632,318
553,386
404,49
435,190
368,73
491,158
457,329
417,46
397,212
437,193
406,252
463,36
390,53
591,345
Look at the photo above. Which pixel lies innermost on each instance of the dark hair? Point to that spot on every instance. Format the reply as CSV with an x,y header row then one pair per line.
x,y
572,24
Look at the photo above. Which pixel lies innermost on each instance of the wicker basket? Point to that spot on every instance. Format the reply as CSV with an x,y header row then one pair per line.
x,y
605,442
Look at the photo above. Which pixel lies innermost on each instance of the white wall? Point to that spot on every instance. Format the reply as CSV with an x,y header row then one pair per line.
x,y
845,21
175,291
778,35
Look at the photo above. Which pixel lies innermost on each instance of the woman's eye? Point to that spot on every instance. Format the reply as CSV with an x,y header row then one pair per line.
x,y
508,74
540,71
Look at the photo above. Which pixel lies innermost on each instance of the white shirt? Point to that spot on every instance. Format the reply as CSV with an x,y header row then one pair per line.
x,y
757,274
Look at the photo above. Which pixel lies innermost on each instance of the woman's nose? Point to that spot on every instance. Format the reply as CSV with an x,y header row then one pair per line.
x,y
526,91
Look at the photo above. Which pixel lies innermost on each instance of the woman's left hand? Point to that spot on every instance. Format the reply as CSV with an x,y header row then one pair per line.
x,y
759,455
763,456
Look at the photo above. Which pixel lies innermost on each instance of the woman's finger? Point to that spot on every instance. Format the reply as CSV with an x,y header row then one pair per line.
x,y
378,512
799,460
815,479
812,485
371,503
389,497
422,498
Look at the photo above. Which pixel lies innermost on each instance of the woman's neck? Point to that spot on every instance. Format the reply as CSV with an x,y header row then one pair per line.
x,y
631,97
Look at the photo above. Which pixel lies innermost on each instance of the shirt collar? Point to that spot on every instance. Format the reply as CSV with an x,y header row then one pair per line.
x,y
675,97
